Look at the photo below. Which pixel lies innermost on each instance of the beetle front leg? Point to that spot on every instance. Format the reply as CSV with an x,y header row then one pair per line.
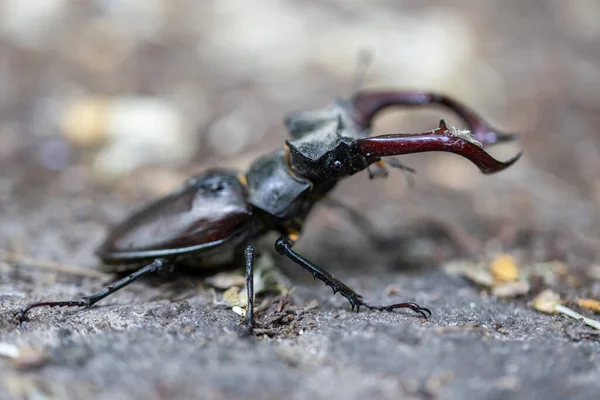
x,y
284,247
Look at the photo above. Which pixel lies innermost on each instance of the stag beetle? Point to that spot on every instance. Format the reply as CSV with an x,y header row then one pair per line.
x,y
214,217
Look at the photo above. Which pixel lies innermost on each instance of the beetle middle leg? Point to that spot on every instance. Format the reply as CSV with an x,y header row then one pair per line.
x,y
250,255
283,246
155,266
360,221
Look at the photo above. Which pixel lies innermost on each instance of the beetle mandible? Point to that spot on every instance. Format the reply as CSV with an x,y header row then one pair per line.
x,y
215,216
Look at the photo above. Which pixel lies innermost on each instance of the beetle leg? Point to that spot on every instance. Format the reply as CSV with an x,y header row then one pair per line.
x,y
395,163
408,171
368,103
87,301
250,255
356,218
284,247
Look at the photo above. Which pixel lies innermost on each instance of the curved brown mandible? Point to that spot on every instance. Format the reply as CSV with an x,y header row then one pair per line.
x,y
441,139
367,104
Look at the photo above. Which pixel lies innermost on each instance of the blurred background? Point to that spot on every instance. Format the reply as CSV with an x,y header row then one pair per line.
x,y
106,104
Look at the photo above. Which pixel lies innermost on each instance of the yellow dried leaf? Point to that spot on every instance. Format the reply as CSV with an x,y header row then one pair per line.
x,y
504,268
589,304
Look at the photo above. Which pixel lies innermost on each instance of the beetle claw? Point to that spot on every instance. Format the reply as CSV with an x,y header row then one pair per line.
x,y
424,312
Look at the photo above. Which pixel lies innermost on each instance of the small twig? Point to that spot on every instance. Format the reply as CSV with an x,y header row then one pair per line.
x,y
13,258
575,315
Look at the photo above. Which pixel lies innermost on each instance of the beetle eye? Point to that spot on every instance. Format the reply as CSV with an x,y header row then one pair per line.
x,y
216,187
337,165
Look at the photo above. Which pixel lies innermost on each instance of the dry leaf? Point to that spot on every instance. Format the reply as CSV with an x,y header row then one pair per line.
x,y
225,280
511,289
546,301
478,275
504,268
589,304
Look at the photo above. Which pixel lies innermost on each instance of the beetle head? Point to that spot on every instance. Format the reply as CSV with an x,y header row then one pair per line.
x,y
326,153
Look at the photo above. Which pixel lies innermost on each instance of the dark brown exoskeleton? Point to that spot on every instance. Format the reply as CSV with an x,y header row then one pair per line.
x,y
216,215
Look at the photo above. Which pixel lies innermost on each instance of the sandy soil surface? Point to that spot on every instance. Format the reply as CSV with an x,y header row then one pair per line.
x,y
219,78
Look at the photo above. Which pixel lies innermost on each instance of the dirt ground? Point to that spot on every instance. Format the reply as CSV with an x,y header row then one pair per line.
x,y
76,77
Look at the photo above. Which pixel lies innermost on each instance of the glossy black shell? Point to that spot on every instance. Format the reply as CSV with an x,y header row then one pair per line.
x,y
271,186
209,210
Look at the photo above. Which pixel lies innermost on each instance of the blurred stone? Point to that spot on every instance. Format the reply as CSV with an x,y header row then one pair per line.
x,y
511,289
150,181
84,121
230,134
408,49
594,272
148,15
143,131
30,23
267,39
102,46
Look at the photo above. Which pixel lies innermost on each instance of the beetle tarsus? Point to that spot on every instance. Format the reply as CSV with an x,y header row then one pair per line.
x,y
87,301
283,246
413,306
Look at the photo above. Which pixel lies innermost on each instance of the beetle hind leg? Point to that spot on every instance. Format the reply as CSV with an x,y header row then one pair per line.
x,y
283,246
87,301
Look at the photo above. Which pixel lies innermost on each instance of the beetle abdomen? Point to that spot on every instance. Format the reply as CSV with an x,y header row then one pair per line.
x,y
210,209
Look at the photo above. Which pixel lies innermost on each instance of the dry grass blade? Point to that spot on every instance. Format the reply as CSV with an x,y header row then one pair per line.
x,y
14,258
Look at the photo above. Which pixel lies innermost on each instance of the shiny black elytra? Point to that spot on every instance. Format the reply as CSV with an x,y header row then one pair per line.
x,y
213,217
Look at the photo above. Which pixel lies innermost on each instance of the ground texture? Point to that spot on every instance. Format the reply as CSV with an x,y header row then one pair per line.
x,y
219,78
